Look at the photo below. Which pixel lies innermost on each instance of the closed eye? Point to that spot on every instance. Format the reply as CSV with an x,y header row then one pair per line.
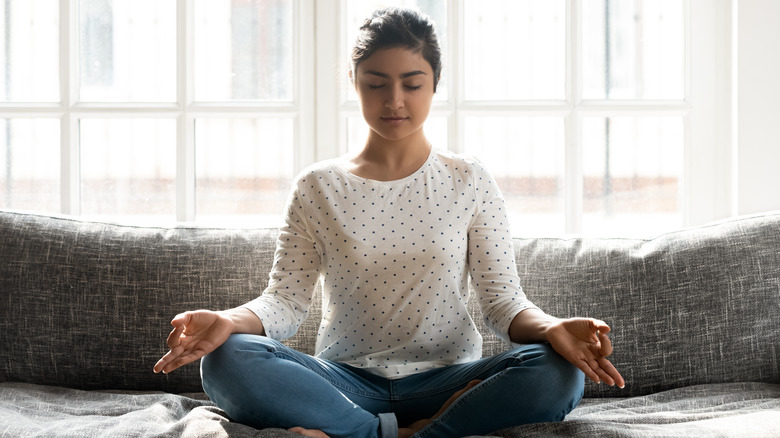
x,y
408,87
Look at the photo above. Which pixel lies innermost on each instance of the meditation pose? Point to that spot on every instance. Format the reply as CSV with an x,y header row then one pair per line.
x,y
394,234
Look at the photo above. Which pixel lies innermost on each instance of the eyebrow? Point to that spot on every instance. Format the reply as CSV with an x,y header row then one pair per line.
x,y
403,75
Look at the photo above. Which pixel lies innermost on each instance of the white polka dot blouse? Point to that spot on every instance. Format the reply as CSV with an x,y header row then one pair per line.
x,y
394,259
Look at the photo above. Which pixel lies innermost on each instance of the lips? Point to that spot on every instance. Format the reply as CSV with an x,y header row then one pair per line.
x,y
394,120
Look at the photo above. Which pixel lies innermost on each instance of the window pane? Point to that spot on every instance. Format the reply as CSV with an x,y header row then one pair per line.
x,y
128,167
357,132
29,51
243,167
30,164
526,157
244,50
633,172
633,49
515,50
127,50
358,11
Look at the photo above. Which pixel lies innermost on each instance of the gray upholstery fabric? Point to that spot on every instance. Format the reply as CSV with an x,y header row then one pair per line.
x,y
690,307
727,410
722,410
86,305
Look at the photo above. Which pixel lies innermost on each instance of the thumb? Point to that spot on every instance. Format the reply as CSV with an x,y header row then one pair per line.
x,y
182,319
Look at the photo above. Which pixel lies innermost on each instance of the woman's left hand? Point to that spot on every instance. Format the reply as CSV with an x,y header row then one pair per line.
x,y
584,342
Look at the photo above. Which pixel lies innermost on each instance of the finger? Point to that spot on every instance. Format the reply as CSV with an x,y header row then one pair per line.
x,y
606,344
603,375
601,326
181,360
607,366
169,357
174,338
179,324
587,370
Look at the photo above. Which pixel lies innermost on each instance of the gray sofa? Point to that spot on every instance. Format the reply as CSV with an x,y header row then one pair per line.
x,y
85,306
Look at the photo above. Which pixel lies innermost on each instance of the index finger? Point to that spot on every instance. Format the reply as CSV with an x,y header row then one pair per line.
x,y
606,344
179,323
174,338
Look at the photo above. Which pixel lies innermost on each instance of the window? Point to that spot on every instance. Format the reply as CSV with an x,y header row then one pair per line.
x,y
582,110
594,116
153,109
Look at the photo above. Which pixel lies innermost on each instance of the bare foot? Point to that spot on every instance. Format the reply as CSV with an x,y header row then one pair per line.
x,y
309,432
417,426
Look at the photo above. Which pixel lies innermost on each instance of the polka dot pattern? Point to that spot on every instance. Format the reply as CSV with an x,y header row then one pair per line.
x,y
395,259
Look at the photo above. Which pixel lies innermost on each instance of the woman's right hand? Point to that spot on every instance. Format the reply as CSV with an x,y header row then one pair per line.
x,y
194,335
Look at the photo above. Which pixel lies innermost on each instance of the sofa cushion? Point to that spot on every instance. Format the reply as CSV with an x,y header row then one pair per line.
x,y
690,307
716,410
87,305
733,410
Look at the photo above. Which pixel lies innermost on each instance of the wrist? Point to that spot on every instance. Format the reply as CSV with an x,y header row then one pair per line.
x,y
532,325
551,328
243,320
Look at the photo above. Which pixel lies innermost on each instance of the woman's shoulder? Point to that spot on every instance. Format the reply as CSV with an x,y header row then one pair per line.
x,y
326,169
461,163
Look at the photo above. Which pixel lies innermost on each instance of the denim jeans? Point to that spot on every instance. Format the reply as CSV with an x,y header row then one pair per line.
x,y
263,383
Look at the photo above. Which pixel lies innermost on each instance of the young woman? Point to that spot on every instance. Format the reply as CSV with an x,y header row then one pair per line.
x,y
394,233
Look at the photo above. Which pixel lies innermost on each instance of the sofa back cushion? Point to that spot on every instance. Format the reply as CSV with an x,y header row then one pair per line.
x,y
690,307
87,305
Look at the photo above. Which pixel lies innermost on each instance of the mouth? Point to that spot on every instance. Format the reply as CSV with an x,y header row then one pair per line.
x,y
394,120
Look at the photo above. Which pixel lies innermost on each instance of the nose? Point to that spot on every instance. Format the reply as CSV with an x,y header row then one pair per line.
x,y
395,99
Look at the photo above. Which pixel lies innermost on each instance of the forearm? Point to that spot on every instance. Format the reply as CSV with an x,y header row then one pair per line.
x,y
531,325
244,321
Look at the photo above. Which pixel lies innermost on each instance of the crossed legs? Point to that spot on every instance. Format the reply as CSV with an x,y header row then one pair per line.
x,y
262,383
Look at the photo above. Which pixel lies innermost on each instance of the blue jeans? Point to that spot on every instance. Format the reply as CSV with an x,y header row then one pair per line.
x,y
263,383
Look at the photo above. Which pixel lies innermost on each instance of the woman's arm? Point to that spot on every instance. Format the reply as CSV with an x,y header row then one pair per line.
x,y
581,341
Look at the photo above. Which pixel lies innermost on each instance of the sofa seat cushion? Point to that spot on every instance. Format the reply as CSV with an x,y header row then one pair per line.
x,y
35,410
734,410
711,410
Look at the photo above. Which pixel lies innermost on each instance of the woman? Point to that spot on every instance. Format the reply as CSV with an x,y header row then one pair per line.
x,y
394,232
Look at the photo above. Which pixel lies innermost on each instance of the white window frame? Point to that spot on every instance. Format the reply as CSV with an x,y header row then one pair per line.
x,y
708,181
185,110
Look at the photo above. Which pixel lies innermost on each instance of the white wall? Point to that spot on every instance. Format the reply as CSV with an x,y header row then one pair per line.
x,y
758,105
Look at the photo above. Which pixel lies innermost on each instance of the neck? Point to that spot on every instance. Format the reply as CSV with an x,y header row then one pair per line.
x,y
387,160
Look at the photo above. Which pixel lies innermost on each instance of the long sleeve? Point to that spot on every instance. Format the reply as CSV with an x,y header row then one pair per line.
x,y
284,304
491,258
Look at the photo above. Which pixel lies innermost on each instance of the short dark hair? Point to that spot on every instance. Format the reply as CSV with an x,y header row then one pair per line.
x,y
398,27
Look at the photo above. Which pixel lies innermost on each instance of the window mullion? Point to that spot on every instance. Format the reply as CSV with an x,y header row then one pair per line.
x,y
306,128
573,178
70,193
330,119
456,123
185,123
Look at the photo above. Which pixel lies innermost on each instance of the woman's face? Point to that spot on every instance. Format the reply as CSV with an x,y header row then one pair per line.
x,y
395,88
